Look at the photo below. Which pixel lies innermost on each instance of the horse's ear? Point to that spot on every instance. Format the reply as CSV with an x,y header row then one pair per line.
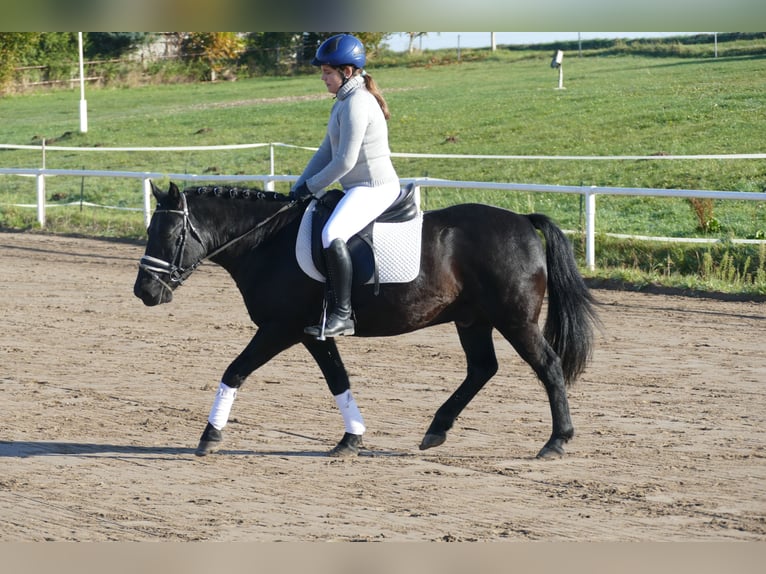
x,y
156,191
174,192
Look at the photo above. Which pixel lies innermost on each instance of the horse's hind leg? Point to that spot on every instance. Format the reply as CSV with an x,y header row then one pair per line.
x,y
535,350
482,365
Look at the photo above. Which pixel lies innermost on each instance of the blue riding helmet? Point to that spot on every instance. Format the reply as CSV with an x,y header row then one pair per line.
x,y
340,50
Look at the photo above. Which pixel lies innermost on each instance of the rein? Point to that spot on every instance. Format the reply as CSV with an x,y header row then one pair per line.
x,y
174,269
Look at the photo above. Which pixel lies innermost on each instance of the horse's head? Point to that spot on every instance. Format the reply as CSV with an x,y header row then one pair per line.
x,y
173,250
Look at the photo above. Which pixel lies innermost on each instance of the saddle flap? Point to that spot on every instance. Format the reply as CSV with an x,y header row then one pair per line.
x,y
395,257
359,246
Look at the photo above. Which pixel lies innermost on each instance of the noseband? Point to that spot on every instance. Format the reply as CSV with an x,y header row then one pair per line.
x,y
174,269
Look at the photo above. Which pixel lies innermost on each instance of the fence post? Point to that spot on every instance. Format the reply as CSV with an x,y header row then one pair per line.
x,y
590,229
416,193
41,189
147,183
41,199
269,186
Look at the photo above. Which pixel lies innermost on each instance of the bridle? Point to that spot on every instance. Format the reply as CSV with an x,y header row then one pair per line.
x,y
176,272
174,269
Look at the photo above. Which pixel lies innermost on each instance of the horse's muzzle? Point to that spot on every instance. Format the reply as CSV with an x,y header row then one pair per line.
x,y
151,291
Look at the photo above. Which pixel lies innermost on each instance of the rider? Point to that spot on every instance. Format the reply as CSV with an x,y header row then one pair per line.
x,y
355,153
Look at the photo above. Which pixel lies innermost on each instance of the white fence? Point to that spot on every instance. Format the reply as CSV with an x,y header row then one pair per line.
x,y
588,192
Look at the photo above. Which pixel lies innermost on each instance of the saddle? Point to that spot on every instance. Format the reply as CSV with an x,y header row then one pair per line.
x,y
361,245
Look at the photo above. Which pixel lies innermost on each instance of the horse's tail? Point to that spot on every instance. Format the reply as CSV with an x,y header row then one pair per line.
x,y
571,307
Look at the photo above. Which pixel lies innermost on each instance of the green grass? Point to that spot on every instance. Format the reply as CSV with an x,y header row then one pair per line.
x,y
720,267
499,104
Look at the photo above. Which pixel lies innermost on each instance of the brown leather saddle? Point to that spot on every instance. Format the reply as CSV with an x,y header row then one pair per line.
x,y
361,245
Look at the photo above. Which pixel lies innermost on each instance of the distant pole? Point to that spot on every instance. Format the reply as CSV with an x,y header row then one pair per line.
x,y
492,41
83,102
715,41
579,44
458,47
558,62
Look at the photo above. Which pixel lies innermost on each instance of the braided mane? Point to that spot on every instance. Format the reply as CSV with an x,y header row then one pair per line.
x,y
233,192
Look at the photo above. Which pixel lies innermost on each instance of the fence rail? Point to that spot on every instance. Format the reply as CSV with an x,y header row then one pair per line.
x,y
589,193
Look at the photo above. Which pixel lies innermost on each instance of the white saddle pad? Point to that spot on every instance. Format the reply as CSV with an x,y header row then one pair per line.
x,y
397,249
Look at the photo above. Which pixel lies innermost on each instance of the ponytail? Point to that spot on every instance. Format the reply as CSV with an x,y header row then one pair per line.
x,y
372,87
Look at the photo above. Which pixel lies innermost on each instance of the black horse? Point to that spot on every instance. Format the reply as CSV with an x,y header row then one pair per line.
x,y
482,268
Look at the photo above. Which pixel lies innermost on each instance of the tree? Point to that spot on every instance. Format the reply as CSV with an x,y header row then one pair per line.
x,y
58,51
413,36
113,44
216,50
15,48
271,52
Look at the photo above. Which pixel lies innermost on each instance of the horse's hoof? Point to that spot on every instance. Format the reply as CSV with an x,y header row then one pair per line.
x,y
432,439
210,441
348,446
206,447
551,451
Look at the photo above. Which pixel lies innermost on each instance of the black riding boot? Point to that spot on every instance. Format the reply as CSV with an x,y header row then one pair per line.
x,y
339,276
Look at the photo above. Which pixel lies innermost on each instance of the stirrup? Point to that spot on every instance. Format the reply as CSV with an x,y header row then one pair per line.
x,y
317,331
341,328
320,332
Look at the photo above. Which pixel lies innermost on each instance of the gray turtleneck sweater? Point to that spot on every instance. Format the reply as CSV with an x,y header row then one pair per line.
x,y
355,149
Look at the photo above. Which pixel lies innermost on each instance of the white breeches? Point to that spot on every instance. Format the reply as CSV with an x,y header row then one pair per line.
x,y
358,207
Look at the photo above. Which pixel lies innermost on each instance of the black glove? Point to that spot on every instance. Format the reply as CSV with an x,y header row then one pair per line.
x,y
300,192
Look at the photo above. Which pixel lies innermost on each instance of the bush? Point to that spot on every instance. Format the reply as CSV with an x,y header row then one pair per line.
x,y
718,266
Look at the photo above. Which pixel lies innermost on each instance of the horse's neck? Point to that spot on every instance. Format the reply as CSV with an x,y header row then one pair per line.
x,y
238,226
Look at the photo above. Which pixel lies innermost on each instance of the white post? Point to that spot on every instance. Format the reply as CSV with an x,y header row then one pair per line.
x,y
590,229
83,102
492,41
40,180
558,62
270,184
147,201
41,199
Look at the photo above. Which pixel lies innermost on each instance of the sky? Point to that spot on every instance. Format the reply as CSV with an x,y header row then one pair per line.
x,y
439,40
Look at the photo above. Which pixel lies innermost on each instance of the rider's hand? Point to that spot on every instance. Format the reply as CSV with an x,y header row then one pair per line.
x,y
300,192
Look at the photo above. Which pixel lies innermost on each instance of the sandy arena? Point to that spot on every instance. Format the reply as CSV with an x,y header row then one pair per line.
x,y
103,401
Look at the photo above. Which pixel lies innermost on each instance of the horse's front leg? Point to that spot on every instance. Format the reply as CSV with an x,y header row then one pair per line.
x,y
326,355
268,341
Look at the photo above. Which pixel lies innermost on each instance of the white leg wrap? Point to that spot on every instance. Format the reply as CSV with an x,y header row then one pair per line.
x,y
352,418
224,399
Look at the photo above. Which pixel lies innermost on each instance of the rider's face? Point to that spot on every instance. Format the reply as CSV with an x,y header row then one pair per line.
x,y
332,78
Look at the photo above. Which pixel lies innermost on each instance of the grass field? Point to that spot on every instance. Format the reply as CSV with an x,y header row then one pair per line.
x,y
499,104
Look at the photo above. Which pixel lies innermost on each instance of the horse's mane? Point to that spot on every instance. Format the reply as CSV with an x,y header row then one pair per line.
x,y
233,192
279,209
